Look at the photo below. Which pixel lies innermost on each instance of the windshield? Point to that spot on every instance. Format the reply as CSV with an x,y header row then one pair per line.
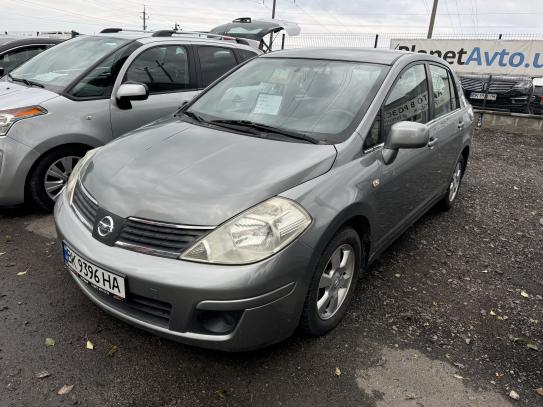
x,y
58,66
319,98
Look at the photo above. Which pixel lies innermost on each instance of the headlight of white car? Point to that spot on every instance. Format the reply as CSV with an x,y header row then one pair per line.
x,y
252,235
78,170
10,116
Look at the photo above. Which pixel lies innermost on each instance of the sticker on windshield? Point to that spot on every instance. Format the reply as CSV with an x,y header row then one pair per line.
x,y
267,104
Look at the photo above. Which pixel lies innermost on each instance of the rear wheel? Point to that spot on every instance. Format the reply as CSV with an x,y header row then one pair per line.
x,y
51,174
454,186
333,283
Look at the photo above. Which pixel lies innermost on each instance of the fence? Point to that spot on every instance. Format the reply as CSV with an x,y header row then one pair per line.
x,y
312,40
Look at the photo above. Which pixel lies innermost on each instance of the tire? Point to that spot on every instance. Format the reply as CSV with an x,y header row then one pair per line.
x,y
315,322
455,181
64,159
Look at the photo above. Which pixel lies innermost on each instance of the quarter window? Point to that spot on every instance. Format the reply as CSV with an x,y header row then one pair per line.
x,y
162,69
442,90
408,99
215,61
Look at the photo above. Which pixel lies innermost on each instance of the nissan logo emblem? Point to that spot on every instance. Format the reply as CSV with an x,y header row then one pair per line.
x,y
105,226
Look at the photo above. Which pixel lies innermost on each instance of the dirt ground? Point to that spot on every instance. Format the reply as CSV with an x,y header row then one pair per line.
x,y
451,315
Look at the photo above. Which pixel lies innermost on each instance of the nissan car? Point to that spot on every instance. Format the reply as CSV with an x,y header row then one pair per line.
x,y
256,208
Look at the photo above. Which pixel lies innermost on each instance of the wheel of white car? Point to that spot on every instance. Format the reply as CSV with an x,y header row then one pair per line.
x,y
454,185
333,283
51,173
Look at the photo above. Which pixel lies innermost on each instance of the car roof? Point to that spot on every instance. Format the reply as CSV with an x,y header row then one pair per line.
x,y
369,55
8,42
147,38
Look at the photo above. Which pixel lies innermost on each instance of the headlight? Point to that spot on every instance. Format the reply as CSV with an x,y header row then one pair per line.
x,y
523,85
252,235
78,170
10,116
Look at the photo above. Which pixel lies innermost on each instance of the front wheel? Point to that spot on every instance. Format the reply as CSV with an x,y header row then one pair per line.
x,y
333,283
454,186
51,174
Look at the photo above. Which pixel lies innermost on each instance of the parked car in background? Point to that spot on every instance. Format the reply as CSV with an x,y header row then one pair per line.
x,y
505,92
14,51
254,209
536,106
91,89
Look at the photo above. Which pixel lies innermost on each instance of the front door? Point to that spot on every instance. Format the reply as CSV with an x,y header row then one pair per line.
x,y
168,71
406,184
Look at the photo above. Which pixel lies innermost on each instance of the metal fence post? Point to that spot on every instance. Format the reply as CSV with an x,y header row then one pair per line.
x,y
283,41
376,40
500,36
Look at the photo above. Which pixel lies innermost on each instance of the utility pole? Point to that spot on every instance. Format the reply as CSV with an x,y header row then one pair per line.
x,y
432,20
144,16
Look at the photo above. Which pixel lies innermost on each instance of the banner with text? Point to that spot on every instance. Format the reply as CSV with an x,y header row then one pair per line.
x,y
482,56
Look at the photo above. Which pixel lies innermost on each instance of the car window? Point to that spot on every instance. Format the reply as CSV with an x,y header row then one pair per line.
x,y
12,59
442,90
244,55
162,69
455,103
100,80
374,136
408,99
215,61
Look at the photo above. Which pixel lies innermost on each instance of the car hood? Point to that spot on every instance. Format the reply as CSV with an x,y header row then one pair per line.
x,y
14,95
182,173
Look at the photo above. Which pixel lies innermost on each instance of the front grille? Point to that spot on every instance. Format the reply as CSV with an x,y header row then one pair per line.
x,y
479,85
85,205
158,238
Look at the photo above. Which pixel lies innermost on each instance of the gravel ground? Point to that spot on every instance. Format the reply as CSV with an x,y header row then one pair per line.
x,y
452,314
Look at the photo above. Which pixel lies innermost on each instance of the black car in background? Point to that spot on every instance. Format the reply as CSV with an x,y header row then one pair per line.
x,y
505,92
536,106
14,51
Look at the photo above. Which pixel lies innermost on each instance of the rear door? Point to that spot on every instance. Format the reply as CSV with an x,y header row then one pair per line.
x,y
169,72
447,125
213,62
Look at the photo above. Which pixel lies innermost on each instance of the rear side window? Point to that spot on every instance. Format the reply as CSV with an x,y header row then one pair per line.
x,y
442,90
244,55
12,59
162,69
408,99
214,62
455,103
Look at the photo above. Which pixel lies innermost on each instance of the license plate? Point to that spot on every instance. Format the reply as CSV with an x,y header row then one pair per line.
x,y
478,95
97,277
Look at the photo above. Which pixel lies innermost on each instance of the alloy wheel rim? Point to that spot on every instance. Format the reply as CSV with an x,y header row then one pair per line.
x,y
455,182
335,281
57,175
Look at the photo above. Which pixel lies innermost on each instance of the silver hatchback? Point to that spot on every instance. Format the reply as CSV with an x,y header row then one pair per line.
x,y
254,210
89,90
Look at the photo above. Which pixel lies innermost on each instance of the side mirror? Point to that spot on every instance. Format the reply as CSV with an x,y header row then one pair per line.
x,y
129,91
1,71
405,135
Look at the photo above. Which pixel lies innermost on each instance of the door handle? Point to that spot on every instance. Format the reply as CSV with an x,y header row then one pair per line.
x,y
460,124
432,142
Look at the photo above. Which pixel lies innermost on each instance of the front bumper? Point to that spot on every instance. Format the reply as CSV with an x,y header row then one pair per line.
x,y
16,159
168,296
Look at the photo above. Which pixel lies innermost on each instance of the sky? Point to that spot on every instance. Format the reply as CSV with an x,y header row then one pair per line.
x,y
314,16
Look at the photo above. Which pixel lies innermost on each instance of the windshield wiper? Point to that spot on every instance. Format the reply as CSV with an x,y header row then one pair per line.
x,y
259,127
25,81
193,115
